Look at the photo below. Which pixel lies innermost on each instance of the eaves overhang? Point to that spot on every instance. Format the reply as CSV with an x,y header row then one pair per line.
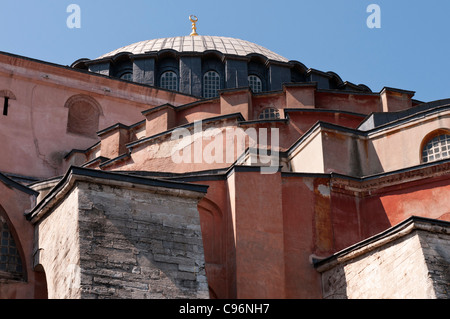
x,y
400,230
77,174
13,184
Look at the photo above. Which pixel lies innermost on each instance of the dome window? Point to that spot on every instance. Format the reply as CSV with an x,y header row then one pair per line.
x,y
211,84
127,76
269,114
255,83
169,81
436,149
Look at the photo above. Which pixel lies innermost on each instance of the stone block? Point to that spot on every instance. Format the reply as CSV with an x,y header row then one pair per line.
x,y
126,243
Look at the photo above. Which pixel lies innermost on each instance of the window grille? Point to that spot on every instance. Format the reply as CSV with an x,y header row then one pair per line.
x,y
127,76
10,261
438,148
269,114
255,83
211,84
169,81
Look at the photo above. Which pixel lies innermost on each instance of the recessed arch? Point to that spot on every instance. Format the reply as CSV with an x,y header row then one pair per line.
x,y
121,57
120,64
167,61
167,54
257,66
212,61
211,219
83,115
213,54
298,71
335,80
258,58
40,285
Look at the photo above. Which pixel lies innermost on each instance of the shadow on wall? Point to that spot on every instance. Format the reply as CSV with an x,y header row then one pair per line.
x,y
141,253
369,161
212,225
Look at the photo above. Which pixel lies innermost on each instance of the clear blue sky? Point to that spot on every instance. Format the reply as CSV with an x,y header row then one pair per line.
x,y
410,51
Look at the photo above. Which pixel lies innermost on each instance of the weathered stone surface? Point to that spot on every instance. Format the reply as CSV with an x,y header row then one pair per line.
x,y
115,242
436,250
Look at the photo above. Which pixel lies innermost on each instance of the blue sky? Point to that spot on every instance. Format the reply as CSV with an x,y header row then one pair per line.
x,y
410,51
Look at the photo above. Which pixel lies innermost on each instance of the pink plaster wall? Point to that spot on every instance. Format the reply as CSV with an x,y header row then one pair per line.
x,y
35,137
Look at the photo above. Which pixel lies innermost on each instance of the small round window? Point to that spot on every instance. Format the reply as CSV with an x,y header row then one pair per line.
x,y
438,148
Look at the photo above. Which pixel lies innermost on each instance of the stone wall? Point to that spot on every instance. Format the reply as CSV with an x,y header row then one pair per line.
x,y
411,266
139,245
109,241
436,250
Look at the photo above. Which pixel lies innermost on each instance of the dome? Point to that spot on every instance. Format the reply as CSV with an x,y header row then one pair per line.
x,y
200,44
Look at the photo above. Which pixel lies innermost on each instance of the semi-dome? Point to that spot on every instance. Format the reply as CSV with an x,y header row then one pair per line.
x,y
225,45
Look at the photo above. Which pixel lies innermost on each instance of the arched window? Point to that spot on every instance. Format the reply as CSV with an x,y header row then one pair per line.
x,y
211,84
10,261
127,76
269,114
437,148
255,83
169,81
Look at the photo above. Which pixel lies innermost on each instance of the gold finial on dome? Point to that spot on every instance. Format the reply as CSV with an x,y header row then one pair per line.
x,y
194,20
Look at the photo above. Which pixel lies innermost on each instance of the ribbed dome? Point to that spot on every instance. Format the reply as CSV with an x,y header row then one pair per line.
x,y
199,43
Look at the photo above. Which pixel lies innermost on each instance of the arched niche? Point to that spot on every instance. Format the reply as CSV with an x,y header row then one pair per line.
x,y
257,66
83,115
212,232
